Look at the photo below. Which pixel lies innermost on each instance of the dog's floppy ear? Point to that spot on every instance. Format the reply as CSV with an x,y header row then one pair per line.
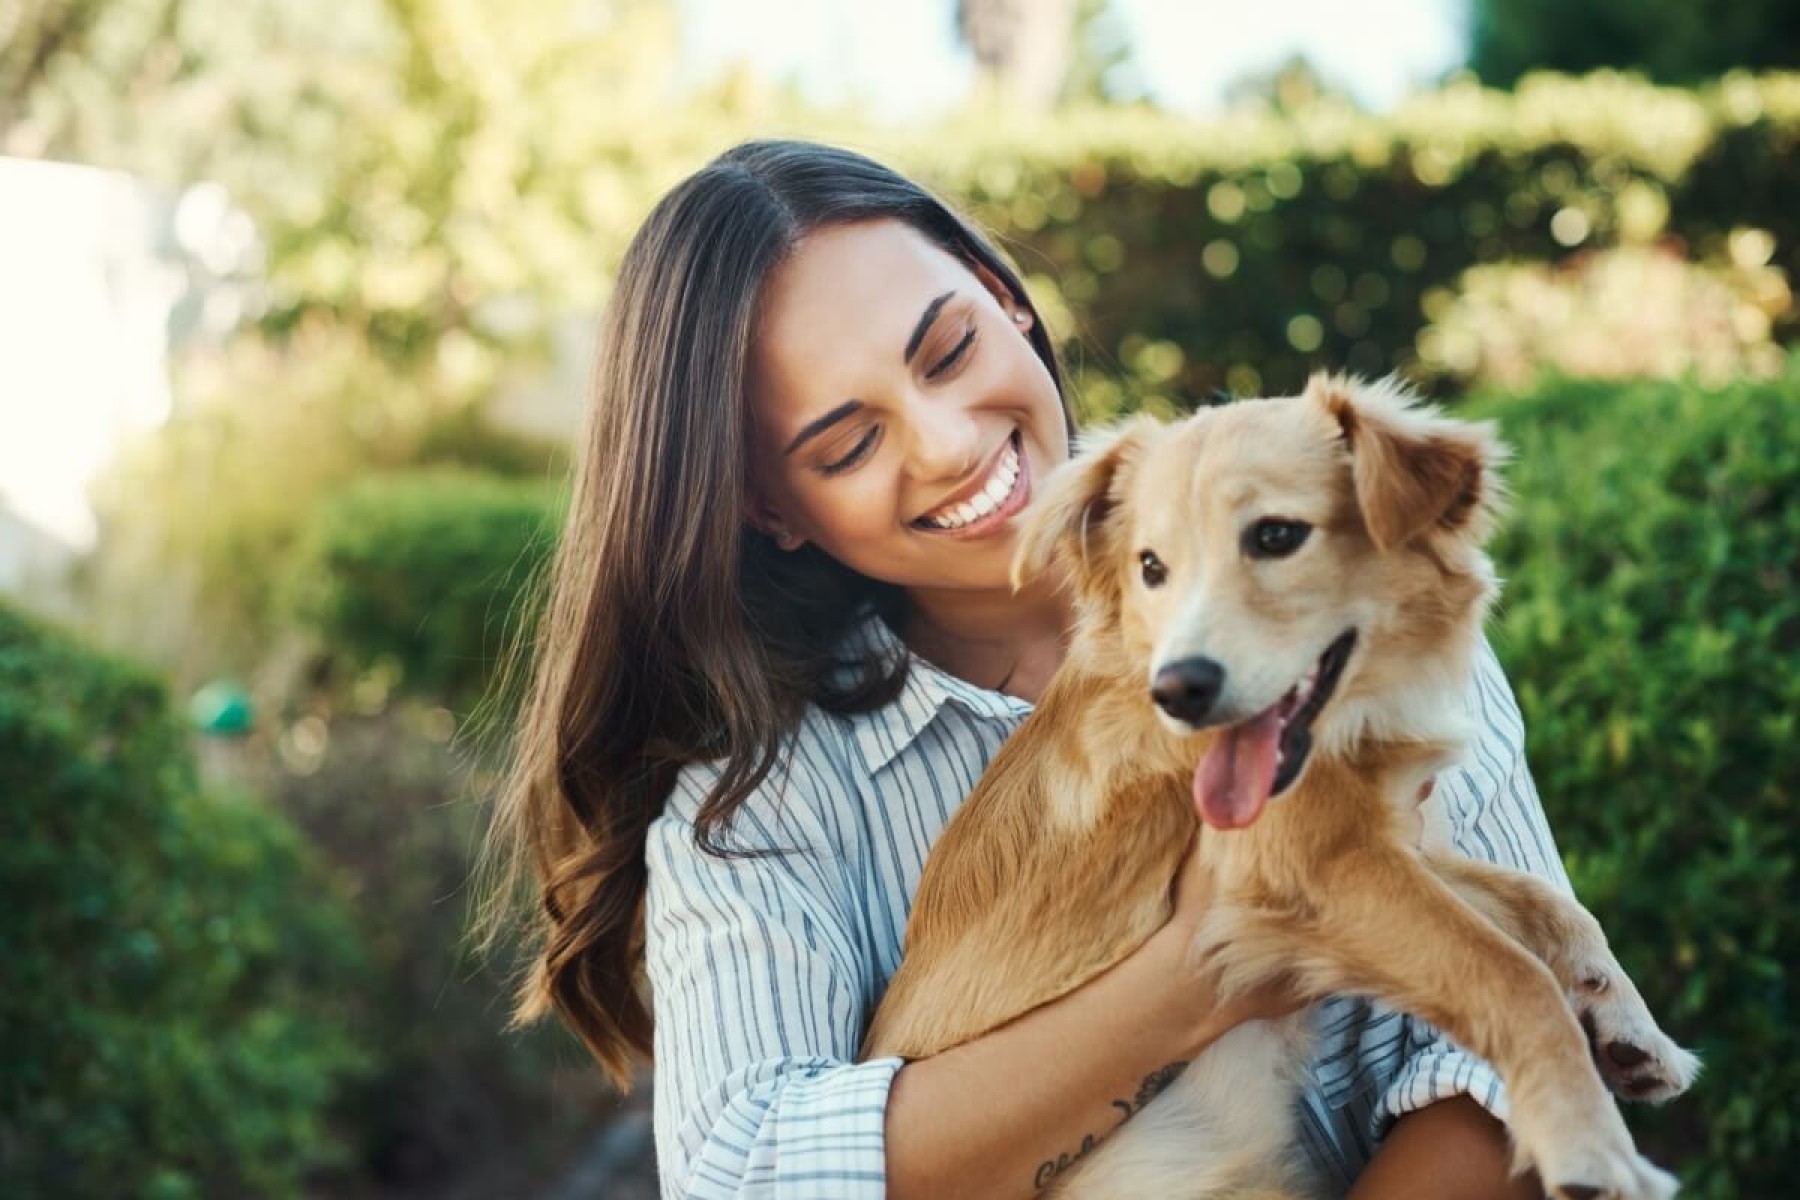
x,y
1068,522
1415,470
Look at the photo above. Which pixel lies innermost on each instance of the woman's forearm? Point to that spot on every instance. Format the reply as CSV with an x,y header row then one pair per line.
x,y
1451,1148
1004,1114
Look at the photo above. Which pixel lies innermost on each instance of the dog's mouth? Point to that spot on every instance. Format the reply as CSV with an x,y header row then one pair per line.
x,y
1254,761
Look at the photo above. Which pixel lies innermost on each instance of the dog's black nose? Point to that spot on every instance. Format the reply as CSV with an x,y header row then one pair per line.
x,y
1188,689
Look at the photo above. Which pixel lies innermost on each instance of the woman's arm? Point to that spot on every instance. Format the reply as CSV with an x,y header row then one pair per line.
x,y
758,992
1454,1147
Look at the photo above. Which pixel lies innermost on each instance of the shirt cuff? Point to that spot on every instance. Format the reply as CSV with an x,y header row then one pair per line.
x,y
822,1136
1436,1068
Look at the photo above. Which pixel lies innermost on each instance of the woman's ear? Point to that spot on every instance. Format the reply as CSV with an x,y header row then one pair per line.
x,y
1414,469
764,519
1070,523
1018,313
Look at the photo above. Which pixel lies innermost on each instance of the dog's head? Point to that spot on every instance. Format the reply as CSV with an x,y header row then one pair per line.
x,y
1281,572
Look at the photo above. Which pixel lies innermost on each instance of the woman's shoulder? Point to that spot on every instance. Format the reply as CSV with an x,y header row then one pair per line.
x,y
838,774
816,763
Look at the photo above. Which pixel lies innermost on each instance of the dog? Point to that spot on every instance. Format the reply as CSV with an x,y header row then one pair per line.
x,y
1278,602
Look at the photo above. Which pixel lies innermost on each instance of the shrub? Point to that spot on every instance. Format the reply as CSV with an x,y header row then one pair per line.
x,y
171,1021
1627,313
200,517
1651,625
1177,257
421,571
451,1105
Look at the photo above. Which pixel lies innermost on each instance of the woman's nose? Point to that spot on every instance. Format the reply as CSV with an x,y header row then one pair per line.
x,y
946,440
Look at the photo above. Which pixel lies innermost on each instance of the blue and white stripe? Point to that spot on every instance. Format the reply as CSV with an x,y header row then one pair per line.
x,y
764,970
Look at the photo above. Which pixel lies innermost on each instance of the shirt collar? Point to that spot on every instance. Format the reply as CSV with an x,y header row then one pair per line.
x,y
883,734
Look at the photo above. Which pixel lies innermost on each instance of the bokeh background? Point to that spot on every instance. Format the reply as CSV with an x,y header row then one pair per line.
x,y
296,305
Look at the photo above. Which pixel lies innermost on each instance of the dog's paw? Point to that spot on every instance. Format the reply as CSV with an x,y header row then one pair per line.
x,y
1637,1060
1581,1150
1600,1176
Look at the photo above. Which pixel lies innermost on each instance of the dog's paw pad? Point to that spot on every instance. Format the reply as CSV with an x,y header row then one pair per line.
x,y
1578,1191
1635,1058
1639,1180
1597,1170
1624,1054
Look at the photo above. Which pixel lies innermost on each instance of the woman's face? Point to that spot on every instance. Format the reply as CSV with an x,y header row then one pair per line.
x,y
901,420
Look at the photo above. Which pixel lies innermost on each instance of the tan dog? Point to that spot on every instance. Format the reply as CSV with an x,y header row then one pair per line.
x,y
1277,598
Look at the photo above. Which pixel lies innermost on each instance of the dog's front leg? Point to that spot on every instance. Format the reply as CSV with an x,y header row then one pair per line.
x,y
1383,924
1636,1059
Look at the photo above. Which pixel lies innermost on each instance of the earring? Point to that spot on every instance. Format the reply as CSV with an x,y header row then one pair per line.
x,y
784,537
1021,317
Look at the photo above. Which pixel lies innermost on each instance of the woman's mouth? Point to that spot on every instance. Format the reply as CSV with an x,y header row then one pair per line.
x,y
996,500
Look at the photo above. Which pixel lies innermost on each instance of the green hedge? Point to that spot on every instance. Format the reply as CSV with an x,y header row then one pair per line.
x,y
1246,251
1651,625
170,1019
450,1104
422,571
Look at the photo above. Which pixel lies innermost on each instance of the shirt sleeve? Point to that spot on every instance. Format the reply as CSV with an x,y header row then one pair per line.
x,y
1491,808
759,999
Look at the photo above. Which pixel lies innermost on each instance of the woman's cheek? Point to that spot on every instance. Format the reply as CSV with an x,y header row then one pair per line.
x,y
858,510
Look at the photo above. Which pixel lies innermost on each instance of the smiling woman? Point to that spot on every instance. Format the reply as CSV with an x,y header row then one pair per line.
x,y
779,647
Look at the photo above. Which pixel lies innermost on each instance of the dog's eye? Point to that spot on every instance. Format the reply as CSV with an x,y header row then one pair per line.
x,y
1275,538
1155,574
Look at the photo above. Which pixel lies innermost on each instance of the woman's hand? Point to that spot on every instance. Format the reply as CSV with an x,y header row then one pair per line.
x,y
1193,991
1210,1016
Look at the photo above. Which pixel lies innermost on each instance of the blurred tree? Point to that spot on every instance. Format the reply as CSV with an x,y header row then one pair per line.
x,y
1290,86
1102,68
434,182
1021,47
1672,41
417,168
34,34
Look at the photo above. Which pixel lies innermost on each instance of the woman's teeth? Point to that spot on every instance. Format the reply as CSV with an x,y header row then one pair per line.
x,y
983,502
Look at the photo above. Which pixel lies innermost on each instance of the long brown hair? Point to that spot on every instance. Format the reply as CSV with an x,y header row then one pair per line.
x,y
673,632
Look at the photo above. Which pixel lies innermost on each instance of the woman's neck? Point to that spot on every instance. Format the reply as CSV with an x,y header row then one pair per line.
x,y
1009,642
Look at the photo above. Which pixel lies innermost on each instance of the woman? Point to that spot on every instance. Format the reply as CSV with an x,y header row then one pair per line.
x,y
779,649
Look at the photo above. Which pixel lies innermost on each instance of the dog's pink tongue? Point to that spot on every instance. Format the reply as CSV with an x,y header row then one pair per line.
x,y
1232,782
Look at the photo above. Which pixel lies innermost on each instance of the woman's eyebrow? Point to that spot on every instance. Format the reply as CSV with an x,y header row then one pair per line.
x,y
924,325
819,425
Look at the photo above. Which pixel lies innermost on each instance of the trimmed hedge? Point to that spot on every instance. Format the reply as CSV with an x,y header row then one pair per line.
x,y
1651,626
450,1106
1180,257
410,581
422,570
170,1021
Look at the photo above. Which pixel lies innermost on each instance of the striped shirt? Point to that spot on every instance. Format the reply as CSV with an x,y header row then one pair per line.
x,y
764,971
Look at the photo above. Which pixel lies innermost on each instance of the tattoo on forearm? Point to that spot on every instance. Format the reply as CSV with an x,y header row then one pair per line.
x,y
1155,1083
1153,1086
1050,1168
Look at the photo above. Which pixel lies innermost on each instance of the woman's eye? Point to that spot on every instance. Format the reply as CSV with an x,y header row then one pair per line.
x,y
1155,574
1274,538
857,453
956,352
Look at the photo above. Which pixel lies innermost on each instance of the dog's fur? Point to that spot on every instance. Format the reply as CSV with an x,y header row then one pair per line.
x,y
1059,864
